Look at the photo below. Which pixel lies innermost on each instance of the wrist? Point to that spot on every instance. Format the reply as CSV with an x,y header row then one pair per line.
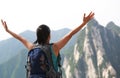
x,y
7,30
84,23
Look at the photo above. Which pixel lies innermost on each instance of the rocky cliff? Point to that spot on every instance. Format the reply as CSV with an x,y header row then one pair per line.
x,y
96,53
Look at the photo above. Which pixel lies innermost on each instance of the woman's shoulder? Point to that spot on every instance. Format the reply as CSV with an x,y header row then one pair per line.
x,y
55,49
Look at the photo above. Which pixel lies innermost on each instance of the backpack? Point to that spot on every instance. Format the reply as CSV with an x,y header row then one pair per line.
x,y
39,62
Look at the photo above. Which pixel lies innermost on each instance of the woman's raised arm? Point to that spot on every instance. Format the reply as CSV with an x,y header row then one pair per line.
x,y
62,42
27,44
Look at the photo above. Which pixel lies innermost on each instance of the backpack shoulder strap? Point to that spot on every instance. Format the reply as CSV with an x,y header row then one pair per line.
x,y
47,50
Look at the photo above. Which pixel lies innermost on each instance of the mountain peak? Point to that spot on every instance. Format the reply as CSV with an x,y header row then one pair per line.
x,y
113,27
93,22
110,24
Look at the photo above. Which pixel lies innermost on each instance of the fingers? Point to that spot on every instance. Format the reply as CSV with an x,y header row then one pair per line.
x,y
5,23
91,14
84,16
2,22
88,17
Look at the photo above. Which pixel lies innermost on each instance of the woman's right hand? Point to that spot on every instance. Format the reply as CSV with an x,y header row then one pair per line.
x,y
87,18
4,25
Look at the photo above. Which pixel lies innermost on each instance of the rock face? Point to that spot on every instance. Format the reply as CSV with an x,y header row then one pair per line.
x,y
96,53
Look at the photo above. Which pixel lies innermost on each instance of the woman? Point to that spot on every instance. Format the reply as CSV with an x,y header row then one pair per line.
x,y
43,36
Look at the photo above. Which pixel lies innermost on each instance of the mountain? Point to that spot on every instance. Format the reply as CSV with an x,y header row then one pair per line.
x,y
111,26
10,47
96,54
91,53
14,67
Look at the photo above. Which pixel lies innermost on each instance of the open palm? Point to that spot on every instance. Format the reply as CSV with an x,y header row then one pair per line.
x,y
4,25
88,18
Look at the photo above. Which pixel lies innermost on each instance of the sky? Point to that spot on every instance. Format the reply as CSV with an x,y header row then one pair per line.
x,y
22,15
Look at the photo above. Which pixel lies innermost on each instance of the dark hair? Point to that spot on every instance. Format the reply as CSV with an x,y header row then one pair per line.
x,y
42,33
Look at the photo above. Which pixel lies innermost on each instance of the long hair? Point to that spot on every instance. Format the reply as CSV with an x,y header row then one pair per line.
x,y
42,33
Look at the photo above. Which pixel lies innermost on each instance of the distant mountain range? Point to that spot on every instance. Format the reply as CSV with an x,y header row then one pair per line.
x,y
92,53
11,47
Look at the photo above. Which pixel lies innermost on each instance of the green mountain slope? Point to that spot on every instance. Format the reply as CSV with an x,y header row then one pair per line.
x,y
10,47
15,67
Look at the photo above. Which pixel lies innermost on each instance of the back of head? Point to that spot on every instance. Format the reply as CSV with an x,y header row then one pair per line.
x,y
42,33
